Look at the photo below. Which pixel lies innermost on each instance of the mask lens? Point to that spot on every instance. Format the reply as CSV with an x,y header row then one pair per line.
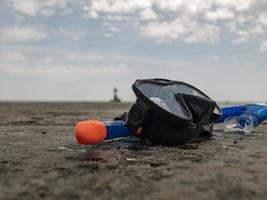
x,y
165,95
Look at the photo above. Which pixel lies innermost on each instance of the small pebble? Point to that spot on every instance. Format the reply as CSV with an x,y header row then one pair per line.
x,y
62,148
213,137
82,150
235,142
130,159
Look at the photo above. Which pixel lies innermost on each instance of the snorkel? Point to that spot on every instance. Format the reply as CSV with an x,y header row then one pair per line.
x,y
94,132
243,119
171,113
166,112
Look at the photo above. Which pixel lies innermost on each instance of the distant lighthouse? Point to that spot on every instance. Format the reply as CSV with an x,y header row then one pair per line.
x,y
115,96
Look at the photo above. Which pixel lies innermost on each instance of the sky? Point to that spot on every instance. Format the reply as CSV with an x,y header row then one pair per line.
x,y
65,50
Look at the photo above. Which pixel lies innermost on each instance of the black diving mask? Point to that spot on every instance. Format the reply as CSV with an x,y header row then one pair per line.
x,y
170,112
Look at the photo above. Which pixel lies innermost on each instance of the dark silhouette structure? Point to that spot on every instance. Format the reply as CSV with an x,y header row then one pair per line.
x,y
115,97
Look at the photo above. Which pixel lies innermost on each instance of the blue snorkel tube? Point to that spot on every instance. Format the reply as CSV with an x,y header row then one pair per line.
x,y
242,119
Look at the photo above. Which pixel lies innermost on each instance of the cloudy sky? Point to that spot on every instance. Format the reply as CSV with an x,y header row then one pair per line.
x,y
79,50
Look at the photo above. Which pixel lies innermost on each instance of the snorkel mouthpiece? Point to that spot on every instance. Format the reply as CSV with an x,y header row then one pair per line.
x,y
90,132
170,112
94,132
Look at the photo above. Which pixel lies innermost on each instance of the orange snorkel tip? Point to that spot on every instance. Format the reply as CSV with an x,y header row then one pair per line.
x,y
90,132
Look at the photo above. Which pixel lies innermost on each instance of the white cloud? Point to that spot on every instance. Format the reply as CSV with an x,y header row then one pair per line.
x,y
242,19
231,25
114,29
148,14
207,33
108,35
256,30
238,5
220,13
168,30
263,46
64,70
117,6
29,7
115,18
170,5
191,21
146,6
21,34
185,29
190,6
34,7
245,35
166,19
42,63
93,15
188,20
263,19
11,56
